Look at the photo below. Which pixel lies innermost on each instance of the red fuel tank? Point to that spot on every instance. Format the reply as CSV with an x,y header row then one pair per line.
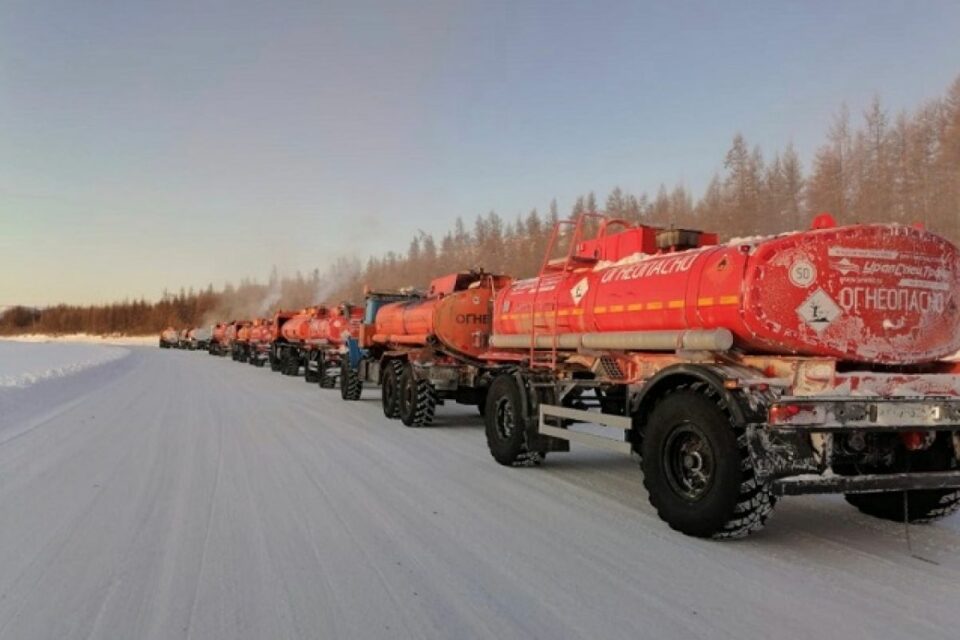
x,y
342,322
864,293
230,333
307,326
455,312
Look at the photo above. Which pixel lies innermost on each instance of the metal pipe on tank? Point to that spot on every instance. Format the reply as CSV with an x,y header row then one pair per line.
x,y
689,340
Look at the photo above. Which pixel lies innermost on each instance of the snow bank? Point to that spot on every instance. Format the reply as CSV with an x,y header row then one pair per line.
x,y
23,364
87,338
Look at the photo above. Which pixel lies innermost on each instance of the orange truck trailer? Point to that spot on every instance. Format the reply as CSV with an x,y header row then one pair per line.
x,y
260,337
739,373
313,339
299,336
240,347
218,340
425,350
329,333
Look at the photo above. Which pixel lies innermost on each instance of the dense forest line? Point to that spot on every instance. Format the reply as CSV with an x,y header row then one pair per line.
x,y
903,168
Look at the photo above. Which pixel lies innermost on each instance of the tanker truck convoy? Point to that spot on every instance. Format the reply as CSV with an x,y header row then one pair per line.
x,y
424,350
738,373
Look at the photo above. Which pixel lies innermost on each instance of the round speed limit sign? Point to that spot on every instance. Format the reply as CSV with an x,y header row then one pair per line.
x,y
803,273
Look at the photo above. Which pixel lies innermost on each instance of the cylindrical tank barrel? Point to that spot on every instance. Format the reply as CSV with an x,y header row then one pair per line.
x,y
864,293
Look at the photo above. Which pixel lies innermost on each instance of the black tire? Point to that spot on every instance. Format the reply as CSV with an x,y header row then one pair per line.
x,y
311,376
325,378
697,470
276,364
291,363
923,506
506,426
418,399
351,386
390,390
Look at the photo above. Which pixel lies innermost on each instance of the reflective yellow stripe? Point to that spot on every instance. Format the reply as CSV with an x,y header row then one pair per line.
x,y
676,304
705,302
635,307
616,308
653,306
600,310
729,299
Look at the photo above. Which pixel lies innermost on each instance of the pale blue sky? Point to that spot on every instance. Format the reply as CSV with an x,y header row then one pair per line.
x,y
146,145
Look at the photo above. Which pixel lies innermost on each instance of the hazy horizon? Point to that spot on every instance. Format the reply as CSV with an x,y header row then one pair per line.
x,y
149,148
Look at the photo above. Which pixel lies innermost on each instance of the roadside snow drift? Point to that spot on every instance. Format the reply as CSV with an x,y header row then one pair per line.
x,y
24,364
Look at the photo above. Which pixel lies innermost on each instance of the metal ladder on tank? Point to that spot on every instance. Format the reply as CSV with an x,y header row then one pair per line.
x,y
548,360
558,414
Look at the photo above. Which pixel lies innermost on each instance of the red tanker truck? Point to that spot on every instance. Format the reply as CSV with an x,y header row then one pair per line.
x,y
329,333
277,342
260,338
240,346
219,345
169,338
299,336
424,350
810,362
313,339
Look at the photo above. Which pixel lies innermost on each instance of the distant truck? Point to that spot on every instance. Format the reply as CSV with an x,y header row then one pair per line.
x,y
424,350
314,340
218,345
169,338
199,338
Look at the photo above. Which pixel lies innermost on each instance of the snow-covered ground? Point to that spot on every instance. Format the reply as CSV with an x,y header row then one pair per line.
x,y
150,341
23,364
172,494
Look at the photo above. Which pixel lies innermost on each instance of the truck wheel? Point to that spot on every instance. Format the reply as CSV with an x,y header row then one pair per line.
x,y
482,403
275,362
697,469
922,506
311,376
506,426
351,386
327,380
390,391
418,399
291,364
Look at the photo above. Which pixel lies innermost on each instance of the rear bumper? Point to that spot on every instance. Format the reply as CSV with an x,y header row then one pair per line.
x,y
824,415
812,484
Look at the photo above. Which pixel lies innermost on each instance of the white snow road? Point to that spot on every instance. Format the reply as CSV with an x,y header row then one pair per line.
x,y
189,496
